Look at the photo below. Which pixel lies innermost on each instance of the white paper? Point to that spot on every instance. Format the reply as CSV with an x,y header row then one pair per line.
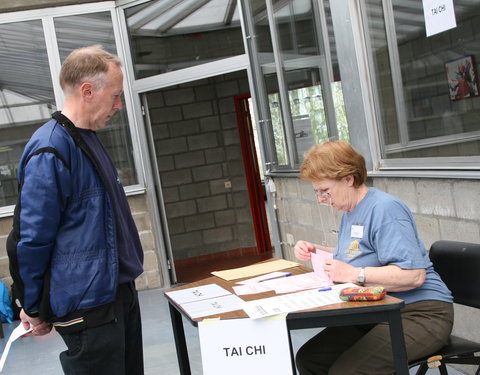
x,y
267,276
293,302
16,333
241,290
439,16
245,346
295,283
212,306
319,257
197,294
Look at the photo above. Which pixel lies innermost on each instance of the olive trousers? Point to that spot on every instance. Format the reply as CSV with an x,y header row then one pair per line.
x,y
366,349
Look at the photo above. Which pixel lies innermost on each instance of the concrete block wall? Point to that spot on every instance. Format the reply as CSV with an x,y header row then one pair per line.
x,y
444,209
201,167
151,277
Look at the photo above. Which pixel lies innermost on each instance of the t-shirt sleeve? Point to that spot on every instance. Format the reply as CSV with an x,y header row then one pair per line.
x,y
397,243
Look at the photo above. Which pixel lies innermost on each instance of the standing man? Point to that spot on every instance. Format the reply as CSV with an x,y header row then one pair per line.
x,y
74,249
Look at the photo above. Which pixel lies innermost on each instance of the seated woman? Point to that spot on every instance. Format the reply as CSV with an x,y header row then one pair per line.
x,y
378,244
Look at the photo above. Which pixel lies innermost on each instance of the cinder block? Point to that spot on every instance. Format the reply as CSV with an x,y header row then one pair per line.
x,y
202,141
171,146
226,217
459,230
165,163
428,229
183,208
142,221
177,177
207,173
147,240
150,261
179,96
196,190
217,235
199,222
167,114
467,199
170,194
197,109
214,155
6,225
215,203
189,159
186,241
227,88
182,128
210,123
435,197
405,190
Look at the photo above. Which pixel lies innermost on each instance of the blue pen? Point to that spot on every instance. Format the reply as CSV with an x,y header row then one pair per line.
x,y
324,289
277,277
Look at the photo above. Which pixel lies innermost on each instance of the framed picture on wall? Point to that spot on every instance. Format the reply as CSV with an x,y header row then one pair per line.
x,y
462,78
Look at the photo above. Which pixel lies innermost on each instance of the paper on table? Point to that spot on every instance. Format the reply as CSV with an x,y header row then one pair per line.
x,y
295,283
251,289
318,261
256,269
267,276
212,306
293,302
16,333
197,293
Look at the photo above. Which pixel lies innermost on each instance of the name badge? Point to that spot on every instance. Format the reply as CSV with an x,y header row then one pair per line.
x,y
357,231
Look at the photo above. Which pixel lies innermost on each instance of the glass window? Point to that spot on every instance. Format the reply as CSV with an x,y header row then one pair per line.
x,y
96,28
168,35
26,97
427,87
310,77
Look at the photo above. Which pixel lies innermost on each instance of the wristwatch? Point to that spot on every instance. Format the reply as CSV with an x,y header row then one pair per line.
x,y
361,277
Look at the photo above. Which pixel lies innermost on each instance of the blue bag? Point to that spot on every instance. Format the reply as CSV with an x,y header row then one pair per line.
x,y
6,312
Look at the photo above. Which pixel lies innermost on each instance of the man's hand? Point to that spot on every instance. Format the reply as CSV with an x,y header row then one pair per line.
x,y
39,327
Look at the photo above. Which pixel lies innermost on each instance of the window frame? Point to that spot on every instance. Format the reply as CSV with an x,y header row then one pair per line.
x,y
455,166
47,16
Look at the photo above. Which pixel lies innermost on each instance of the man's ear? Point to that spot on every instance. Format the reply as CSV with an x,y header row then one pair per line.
x,y
86,90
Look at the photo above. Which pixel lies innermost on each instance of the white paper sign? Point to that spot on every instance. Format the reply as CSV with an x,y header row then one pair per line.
x,y
245,346
439,16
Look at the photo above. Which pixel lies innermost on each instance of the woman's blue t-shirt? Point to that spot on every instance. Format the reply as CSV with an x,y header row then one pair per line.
x,y
381,231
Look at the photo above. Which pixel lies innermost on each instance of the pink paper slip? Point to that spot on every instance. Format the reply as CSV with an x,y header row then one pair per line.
x,y
318,261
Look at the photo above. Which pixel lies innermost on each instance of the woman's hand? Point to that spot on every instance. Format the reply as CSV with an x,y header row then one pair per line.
x,y
340,272
303,250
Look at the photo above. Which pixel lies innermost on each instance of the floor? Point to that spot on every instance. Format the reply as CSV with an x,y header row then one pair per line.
x,y
39,355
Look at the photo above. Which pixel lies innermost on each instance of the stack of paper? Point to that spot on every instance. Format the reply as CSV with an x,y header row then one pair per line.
x,y
205,300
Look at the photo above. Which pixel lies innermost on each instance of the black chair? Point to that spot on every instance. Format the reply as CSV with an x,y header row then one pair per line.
x,y
458,264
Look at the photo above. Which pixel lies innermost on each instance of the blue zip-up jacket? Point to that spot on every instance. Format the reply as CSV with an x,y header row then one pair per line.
x,y
62,249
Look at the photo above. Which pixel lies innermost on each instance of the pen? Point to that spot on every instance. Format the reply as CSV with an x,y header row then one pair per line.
x,y
324,289
277,277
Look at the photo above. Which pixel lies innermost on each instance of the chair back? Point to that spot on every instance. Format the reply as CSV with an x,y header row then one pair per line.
x,y
458,264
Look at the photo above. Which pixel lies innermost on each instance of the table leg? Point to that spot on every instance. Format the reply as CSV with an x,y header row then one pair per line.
x,y
398,344
180,342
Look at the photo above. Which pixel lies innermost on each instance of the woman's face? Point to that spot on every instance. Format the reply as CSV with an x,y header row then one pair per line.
x,y
340,194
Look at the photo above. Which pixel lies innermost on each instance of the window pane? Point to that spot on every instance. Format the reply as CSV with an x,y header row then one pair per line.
x,y
168,35
96,28
26,97
438,82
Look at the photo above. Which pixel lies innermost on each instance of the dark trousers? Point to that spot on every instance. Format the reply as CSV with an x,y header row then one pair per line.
x,y
366,349
110,349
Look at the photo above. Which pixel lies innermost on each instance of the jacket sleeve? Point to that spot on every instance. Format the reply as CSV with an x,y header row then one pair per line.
x,y
44,182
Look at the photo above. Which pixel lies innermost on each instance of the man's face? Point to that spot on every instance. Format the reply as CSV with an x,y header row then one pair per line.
x,y
107,100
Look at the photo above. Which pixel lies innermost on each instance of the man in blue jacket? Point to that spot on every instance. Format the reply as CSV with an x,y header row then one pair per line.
x,y
74,249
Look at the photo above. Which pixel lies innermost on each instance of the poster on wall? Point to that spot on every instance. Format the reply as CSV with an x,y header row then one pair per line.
x,y
462,78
